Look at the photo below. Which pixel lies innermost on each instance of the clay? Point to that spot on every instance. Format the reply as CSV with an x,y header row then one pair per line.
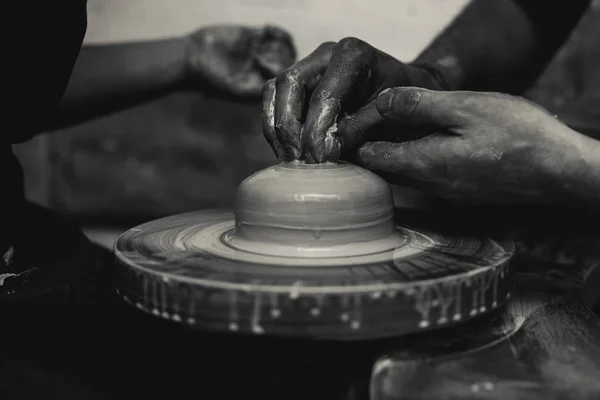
x,y
314,210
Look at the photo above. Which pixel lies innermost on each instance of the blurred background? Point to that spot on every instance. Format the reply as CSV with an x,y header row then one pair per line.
x,y
186,152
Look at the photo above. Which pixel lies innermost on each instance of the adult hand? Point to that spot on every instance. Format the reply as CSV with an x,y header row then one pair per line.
x,y
236,61
486,147
303,105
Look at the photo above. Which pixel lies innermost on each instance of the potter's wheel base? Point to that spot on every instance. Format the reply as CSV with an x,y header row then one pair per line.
x,y
426,282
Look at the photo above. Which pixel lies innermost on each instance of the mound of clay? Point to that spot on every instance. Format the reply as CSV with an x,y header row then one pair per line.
x,y
313,206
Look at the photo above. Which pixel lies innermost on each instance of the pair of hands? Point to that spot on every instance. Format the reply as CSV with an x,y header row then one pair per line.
x,y
462,146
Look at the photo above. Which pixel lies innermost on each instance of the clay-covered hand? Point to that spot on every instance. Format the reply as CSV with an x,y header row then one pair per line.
x,y
236,61
485,148
309,109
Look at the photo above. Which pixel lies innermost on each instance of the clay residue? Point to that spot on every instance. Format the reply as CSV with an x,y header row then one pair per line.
x,y
332,144
4,277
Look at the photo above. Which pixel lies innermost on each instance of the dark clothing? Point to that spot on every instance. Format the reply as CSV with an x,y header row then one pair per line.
x,y
38,66
12,196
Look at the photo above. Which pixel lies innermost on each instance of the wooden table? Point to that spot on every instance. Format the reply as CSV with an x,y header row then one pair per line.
x,y
82,342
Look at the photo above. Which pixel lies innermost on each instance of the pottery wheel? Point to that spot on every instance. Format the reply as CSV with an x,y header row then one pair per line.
x,y
192,269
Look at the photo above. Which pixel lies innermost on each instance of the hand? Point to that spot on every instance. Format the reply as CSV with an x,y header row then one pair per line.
x,y
236,61
487,147
303,104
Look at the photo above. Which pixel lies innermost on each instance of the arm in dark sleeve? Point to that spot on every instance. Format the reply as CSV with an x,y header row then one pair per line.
x,y
501,45
113,77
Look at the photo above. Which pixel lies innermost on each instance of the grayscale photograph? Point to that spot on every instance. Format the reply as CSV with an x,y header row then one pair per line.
x,y
301,200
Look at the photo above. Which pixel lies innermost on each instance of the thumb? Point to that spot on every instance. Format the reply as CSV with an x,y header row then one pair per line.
x,y
417,106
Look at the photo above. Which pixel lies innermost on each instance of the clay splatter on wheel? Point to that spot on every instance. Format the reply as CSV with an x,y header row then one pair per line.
x,y
310,251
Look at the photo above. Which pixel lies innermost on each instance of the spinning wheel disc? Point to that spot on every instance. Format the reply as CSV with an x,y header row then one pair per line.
x,y
184,268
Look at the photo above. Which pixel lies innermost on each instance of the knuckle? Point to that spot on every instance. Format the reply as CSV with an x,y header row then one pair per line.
x,y
288,77
501,98
532,104
356,47
327,46
422,162
352,43
470,105
506,96
324,52
469,101
410,103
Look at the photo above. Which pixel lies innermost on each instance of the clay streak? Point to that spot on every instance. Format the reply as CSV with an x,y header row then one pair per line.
x,y
155,290
495,286
475,303
357,312
423,304
233,311
458,302
176,302
163,293
192,307
445,299
275,310
256,313
146,290
319,301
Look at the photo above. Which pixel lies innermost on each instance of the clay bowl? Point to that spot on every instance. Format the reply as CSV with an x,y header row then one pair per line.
x,y
314,210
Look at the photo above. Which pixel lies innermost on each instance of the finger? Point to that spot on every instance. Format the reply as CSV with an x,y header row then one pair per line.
x,y
407,161
418,106
268,119
344,80
353,129
367,124
293,87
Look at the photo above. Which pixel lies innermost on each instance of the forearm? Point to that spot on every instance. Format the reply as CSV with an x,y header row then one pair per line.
x,y
110,78
501,45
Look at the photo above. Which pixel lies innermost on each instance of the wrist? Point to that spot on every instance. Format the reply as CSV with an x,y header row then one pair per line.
x,y
579,179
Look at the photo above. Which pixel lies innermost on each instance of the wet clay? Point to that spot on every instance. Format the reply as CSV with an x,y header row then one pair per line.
x,y
305,210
